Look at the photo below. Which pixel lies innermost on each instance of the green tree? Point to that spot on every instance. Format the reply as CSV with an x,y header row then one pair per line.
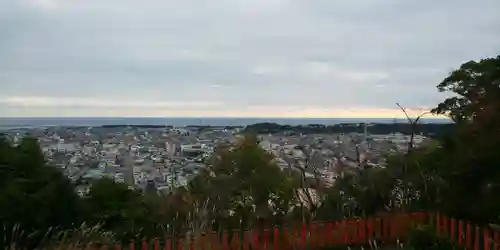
x,y
243,186
471,154
33,196
457,174
476,89
117,208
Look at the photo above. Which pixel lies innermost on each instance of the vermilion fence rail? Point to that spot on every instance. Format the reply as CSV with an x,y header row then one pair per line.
x,y
466,234
385,229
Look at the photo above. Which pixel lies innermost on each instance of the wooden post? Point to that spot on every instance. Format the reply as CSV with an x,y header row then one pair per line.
x,y
328,233
276,238
156,244
460,233
468,240
266,239
132,245
225,241
486,239
476,239
303,236
144,244
452,229
168,243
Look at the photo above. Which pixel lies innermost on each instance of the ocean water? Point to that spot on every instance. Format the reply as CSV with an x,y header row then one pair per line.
x,y
6,122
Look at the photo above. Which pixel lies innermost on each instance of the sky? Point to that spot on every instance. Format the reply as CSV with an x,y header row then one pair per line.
x,y
243,58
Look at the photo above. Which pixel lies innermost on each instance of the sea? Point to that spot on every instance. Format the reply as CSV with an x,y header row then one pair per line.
x,y
31,122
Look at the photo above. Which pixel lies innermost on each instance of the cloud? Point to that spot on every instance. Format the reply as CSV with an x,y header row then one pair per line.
x,y
250,57
57,102
43,4
168,110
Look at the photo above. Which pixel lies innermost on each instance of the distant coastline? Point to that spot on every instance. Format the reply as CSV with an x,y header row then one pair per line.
x,y
17,122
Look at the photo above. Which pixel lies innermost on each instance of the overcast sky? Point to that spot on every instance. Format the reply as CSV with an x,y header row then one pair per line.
x,y
311,58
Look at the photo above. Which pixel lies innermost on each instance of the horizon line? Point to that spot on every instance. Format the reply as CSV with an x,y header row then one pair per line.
x,y
213,117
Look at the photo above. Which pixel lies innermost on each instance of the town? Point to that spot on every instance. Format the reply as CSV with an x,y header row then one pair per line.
x,y
162,158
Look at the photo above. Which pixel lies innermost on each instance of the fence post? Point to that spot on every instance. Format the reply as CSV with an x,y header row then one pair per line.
x,y
460,233
303,236
168,243
225,240
476,239
235,241
246,240
294,234
486,239
156,244
496,237
362,231
287,237
202,241
266,239
352,229
329,232
369,229
452,229
344,228
276,238
468,240
379,231
144,244
386,225
438,224
180,244
132,245
312,235
324,234
255,239
191,242
445,226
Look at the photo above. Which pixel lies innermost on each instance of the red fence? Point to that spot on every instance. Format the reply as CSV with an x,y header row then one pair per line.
x,y
466,234
385,229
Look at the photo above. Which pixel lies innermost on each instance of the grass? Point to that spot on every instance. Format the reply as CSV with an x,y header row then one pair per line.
x,y
78,238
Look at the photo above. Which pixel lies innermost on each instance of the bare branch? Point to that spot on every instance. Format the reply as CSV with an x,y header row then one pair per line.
x,y
413,125
406,113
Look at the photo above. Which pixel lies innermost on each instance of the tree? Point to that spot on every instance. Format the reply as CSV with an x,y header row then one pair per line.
x,y
116,208
33,196
476,85
437,174
457,174
244,185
